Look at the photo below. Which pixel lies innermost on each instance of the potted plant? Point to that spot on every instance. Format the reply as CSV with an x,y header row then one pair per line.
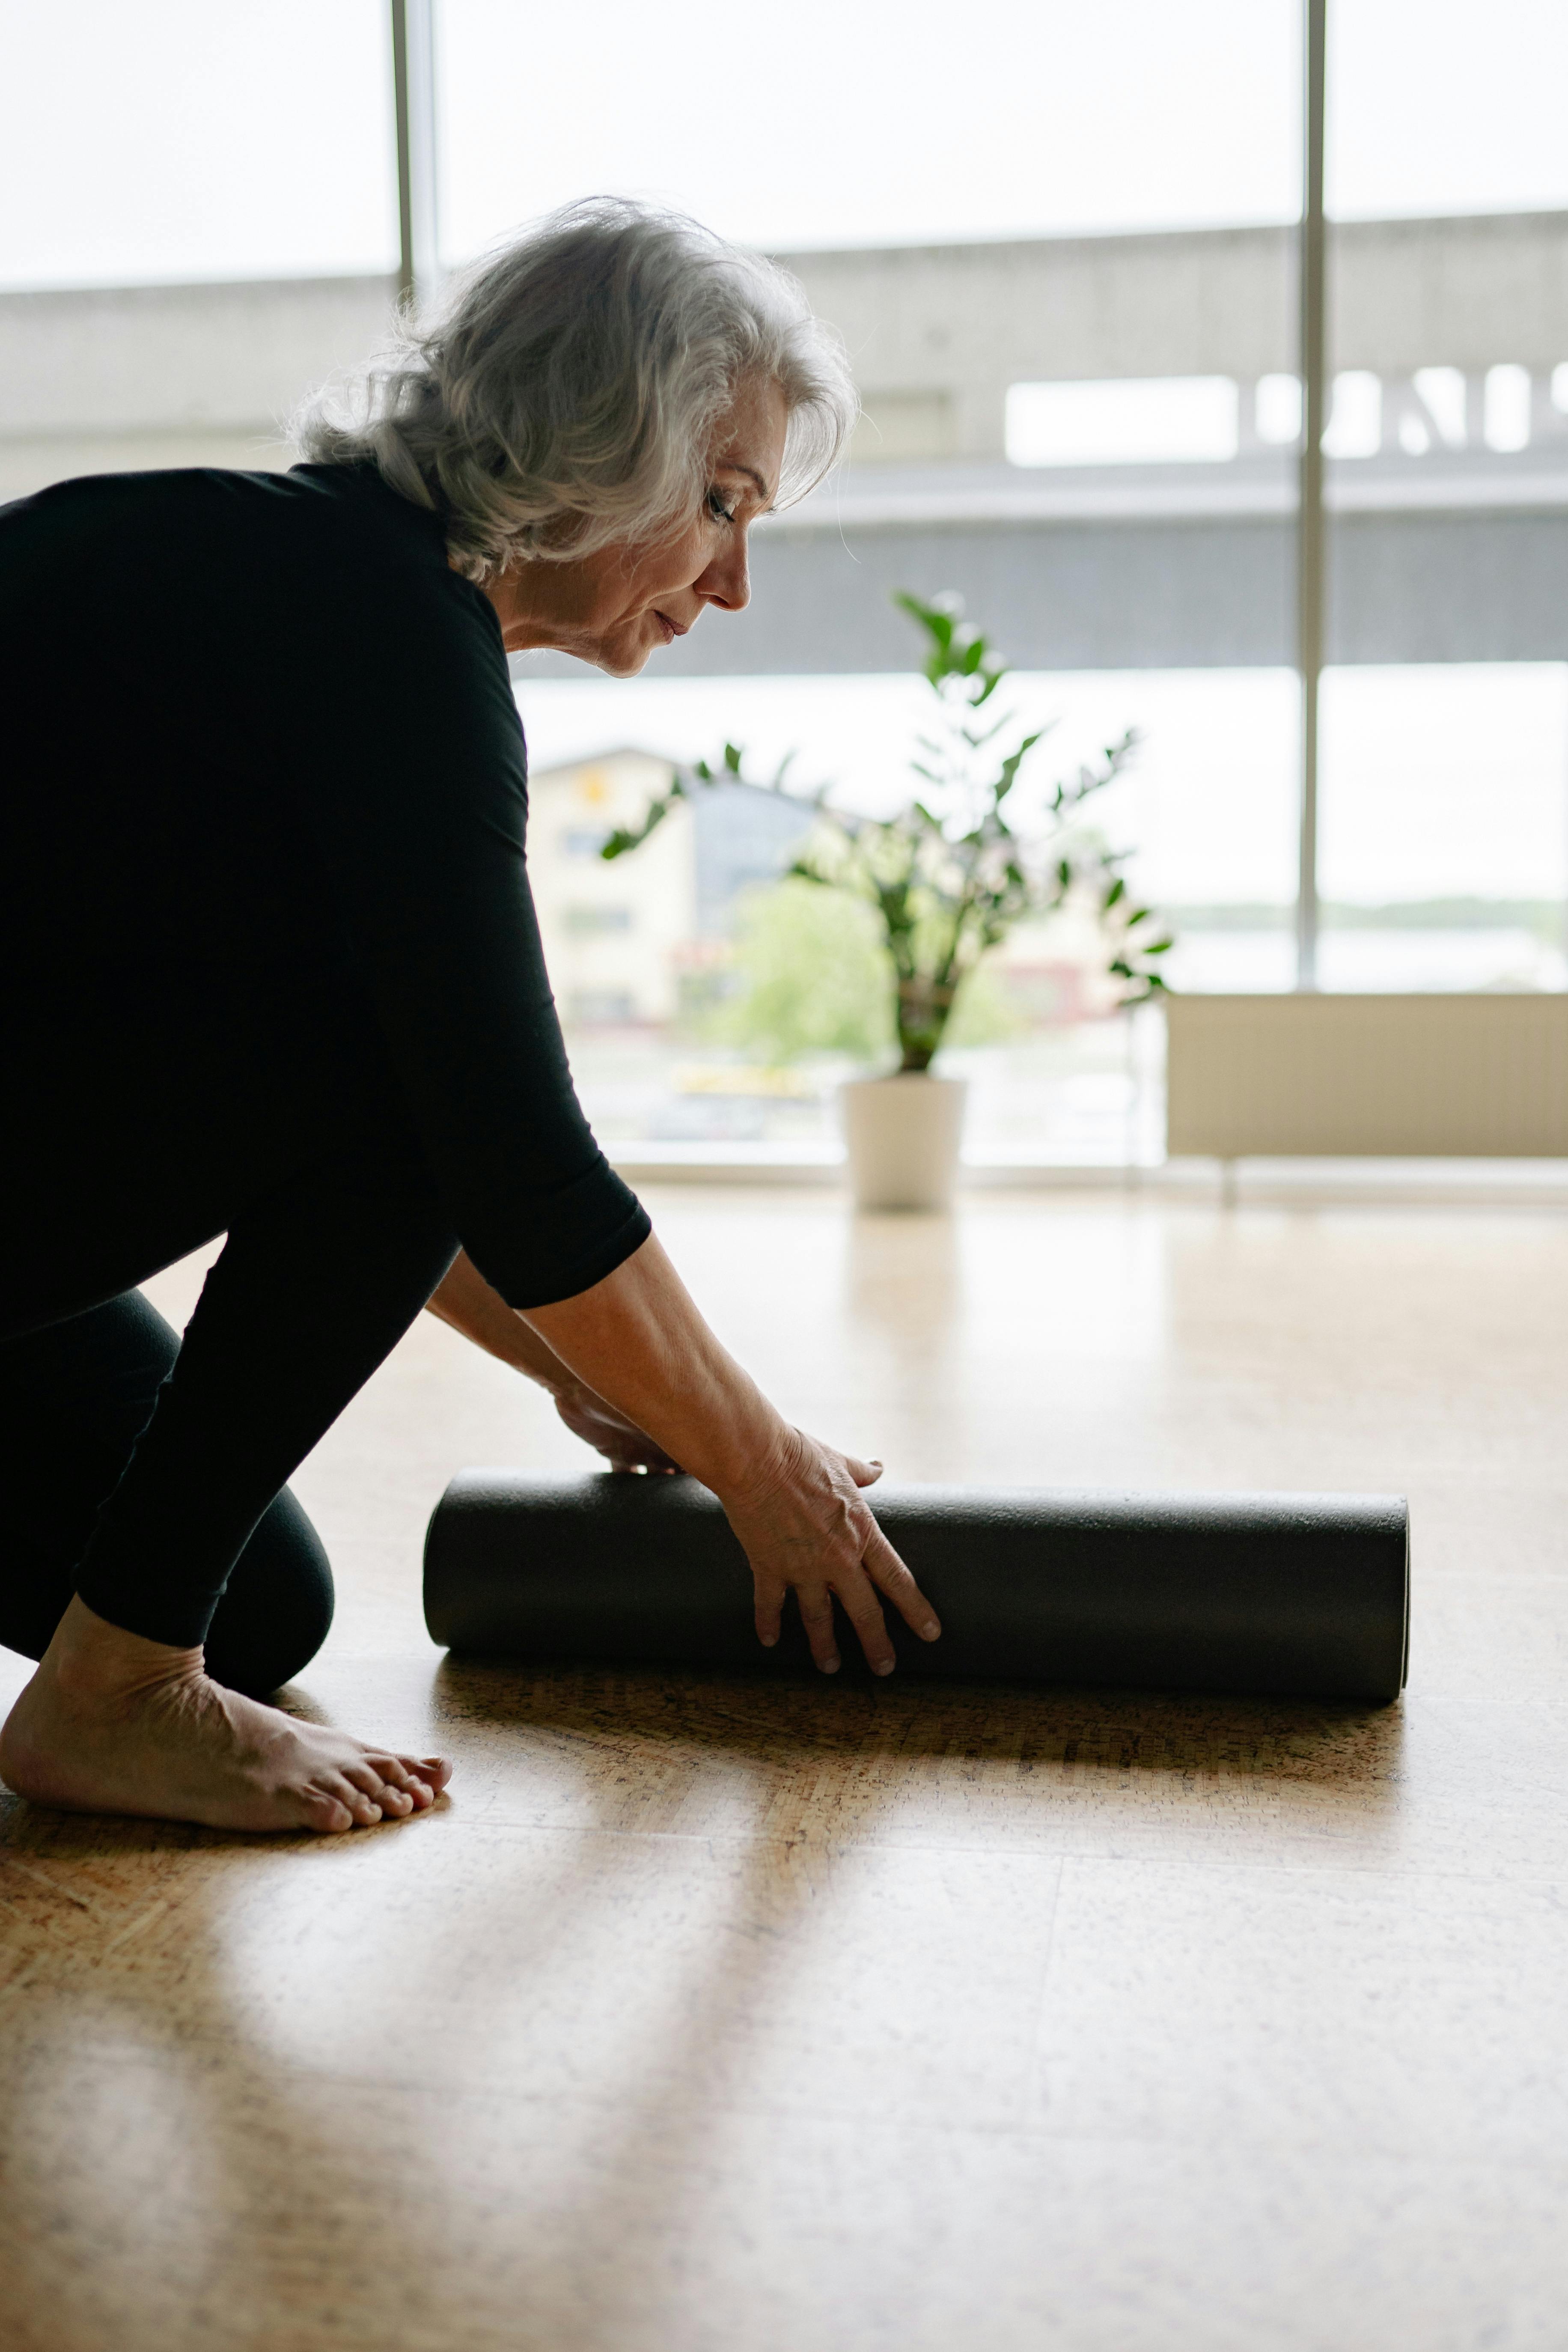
x,y
948,877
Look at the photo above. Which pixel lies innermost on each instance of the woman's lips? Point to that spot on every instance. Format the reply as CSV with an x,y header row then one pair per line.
x,y
672,629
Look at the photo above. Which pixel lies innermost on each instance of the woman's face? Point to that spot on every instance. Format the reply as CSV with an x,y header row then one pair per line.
x,y
614,608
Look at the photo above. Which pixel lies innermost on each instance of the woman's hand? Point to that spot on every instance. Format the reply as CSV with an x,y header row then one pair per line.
x,y
807,1525
623,1445
637,1340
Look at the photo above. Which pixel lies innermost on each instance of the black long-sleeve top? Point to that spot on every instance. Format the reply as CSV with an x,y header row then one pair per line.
x,y
262,833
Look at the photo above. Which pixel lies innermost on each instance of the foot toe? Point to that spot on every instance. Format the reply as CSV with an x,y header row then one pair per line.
x,y
362,1806
328,1815
369,1779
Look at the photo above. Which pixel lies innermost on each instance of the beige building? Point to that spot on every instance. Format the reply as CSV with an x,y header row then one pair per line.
x,y
624,938
614,932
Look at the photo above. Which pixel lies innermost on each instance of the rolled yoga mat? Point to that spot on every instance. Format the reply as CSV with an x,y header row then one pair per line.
x,y
1299,1594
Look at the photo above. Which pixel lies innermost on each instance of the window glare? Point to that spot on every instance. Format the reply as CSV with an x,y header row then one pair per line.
x,y
1356,416
1508,407
1131,421
1277,414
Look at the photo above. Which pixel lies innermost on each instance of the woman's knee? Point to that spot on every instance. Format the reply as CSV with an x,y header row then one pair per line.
x,y
276,1607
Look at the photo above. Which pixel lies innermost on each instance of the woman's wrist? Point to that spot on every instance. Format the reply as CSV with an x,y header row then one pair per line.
x,y
637,1340
741,1451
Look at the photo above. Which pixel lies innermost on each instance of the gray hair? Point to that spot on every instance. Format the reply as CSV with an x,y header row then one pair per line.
x,y
566,395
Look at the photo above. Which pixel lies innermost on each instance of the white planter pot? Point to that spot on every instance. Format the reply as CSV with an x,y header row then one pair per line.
x,y
903,1134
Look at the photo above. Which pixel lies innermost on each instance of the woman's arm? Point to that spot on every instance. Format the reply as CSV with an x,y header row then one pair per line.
x,y
466,1301
637,1340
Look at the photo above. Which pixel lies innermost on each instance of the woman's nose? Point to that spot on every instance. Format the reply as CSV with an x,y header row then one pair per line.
x,y
728,579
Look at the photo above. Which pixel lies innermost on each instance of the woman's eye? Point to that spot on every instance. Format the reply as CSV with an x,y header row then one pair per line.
x,y
717,508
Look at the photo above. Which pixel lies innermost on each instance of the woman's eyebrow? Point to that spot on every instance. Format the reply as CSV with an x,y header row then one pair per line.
x,y
733,465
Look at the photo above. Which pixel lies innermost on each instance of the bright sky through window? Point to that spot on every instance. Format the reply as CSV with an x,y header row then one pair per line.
x,y
148,140
155,141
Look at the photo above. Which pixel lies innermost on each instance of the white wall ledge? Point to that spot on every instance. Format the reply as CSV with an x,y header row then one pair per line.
x,y
1448,1183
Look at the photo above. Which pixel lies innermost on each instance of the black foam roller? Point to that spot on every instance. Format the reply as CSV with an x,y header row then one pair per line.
x,y
1303,1594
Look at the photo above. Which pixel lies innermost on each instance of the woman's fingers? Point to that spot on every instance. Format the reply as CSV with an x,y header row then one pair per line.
x,y
857,1597
769,1613
889,1574
816,1615
864,1611
812,1533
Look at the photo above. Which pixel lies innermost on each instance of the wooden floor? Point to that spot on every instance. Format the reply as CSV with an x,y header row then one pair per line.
x,y
712,2018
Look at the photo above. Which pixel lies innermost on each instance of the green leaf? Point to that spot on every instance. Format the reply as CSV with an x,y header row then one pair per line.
x,y
936,623
628,837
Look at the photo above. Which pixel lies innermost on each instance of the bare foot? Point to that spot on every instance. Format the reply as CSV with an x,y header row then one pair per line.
x,y
114,1724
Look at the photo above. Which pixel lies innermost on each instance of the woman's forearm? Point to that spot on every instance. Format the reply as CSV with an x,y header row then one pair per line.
x,y
637,1339
466,1301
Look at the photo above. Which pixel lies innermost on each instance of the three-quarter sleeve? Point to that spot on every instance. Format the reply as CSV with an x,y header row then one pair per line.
x,y
415,799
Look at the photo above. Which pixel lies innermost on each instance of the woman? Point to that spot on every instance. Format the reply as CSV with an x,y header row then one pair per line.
x,y
274,974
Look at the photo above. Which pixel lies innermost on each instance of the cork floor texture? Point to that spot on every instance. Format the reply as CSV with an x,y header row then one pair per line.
x,y
714,2018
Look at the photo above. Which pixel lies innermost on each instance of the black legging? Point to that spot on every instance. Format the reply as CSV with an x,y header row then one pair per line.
x,y
148,1473
74,1399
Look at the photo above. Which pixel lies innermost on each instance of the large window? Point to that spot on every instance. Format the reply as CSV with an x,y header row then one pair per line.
x,y
1029,239
1060,243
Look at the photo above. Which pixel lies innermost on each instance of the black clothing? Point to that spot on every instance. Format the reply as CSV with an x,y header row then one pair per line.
x,y
322,1272
73,1400
263,842
270,968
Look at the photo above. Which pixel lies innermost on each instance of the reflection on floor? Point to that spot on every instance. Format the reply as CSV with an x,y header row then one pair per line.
x,y
715,2018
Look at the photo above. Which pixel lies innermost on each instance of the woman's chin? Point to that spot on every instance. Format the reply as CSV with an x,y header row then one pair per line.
x,y
623,657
